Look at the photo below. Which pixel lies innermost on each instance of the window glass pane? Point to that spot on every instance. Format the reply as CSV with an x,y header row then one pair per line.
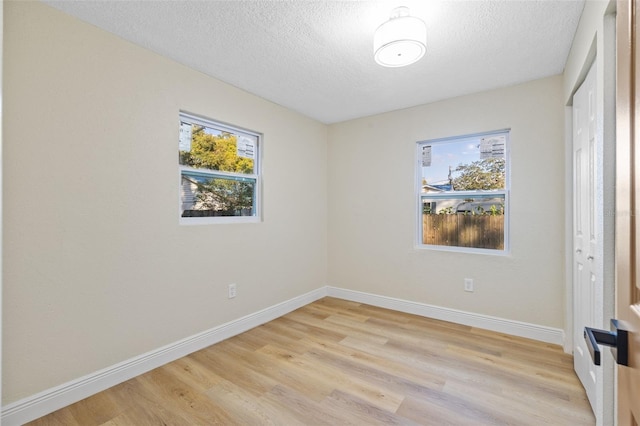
x,y
475,221
464,164
210,195
203,147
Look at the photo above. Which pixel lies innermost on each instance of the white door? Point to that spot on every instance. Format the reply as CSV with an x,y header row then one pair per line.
x,y
587,238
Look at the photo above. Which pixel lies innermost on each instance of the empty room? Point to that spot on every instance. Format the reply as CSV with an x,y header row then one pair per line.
x,y
319,212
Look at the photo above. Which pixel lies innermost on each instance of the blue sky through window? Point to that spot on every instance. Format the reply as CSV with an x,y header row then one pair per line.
x,y
450,153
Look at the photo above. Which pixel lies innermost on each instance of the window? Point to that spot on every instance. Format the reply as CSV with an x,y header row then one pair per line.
x,y
463,192
219,172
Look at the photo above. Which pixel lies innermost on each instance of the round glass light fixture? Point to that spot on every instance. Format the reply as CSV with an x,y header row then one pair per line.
x,y
400,41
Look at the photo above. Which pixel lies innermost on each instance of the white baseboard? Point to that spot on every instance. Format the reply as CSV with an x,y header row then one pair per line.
x,y
501,325
53,399
50,400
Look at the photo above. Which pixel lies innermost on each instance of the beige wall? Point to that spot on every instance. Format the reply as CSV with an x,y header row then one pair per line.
x,y
96,268
583,49
372,206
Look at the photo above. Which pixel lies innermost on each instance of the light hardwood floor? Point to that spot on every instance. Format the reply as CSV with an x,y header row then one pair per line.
x,y
335,362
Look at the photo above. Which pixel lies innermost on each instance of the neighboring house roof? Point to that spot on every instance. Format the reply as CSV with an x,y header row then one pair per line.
x,y
436,188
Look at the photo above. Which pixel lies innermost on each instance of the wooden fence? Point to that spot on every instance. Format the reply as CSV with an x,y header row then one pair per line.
x,y
460,230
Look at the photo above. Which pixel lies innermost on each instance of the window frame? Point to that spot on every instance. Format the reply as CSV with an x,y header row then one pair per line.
x,y
256,176
506,193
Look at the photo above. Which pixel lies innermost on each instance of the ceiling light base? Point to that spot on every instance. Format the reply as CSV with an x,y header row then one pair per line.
x,y
400,41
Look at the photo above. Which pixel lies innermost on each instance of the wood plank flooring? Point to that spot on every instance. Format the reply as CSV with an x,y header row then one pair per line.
x,y
336,362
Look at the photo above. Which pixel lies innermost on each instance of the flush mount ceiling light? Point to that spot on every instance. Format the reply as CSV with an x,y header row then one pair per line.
x,y
400,41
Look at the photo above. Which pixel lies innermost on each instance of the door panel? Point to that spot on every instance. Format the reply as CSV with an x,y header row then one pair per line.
x,y
587,282
627,205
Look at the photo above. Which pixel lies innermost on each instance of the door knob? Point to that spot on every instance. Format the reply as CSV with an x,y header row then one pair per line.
x,y
589,257
617,338
578,251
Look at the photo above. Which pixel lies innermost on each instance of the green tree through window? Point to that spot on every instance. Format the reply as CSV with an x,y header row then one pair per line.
x,y
481,175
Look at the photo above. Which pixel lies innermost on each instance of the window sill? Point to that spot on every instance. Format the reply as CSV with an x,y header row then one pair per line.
x,y
218,220
462,250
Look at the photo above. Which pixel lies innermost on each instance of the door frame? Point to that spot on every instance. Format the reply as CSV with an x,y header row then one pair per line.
x,y
602,54
628,183
1,184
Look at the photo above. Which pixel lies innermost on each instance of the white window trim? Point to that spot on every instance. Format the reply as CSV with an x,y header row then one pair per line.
x,y
418,244
257,175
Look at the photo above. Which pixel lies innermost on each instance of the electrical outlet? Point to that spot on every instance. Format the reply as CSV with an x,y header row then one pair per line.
x,y
232,291
468,284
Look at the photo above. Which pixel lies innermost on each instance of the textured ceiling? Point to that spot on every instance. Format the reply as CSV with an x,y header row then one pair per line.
x,y
315,57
